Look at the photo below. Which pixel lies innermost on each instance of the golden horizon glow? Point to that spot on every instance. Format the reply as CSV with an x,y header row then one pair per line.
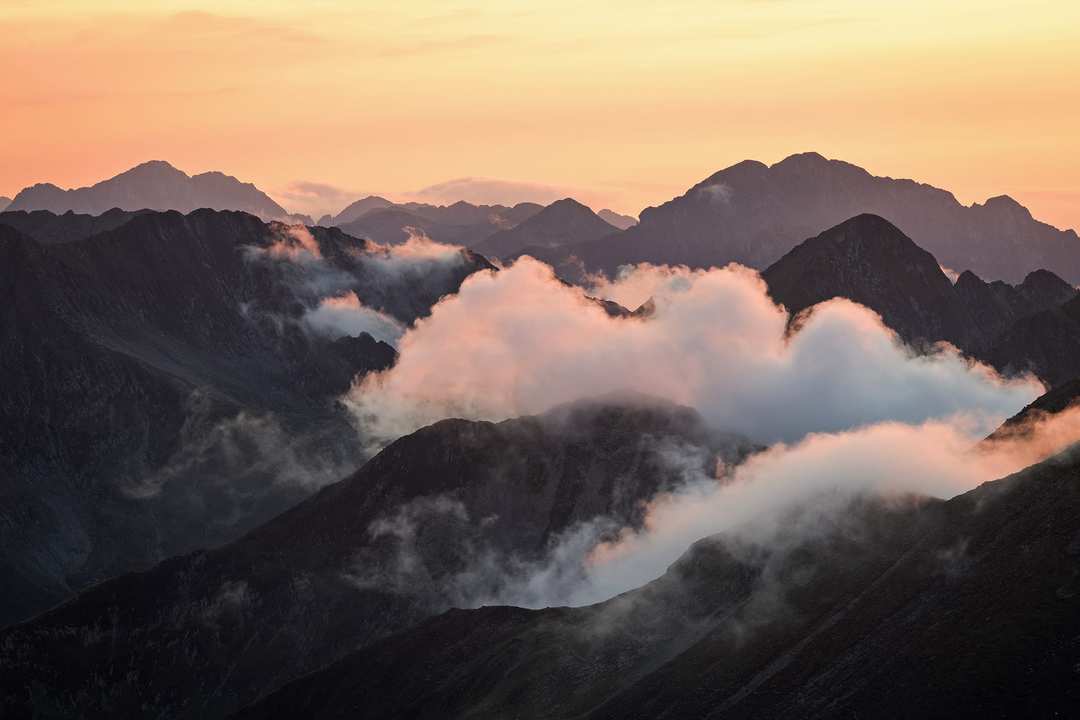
x,y
622,104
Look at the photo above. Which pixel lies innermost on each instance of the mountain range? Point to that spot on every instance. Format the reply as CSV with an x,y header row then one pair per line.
x,y
192,524
154,185
164,388
752,213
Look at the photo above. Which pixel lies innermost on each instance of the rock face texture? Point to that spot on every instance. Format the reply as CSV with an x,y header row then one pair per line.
x,y
154,185
965,608
456,514
752,213
163,392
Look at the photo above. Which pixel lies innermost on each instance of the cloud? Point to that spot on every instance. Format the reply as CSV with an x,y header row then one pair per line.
x,y
345,315
315,198
788,491
717,193
518,342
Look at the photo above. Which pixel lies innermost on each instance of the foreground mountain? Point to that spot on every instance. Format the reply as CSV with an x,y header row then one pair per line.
x,y
1046,343
965,608
165,387
154,185
622,222
752,213
564,222
870,261
48,228
457,514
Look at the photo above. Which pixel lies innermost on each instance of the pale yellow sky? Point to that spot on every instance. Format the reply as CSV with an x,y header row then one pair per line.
x,y
622,103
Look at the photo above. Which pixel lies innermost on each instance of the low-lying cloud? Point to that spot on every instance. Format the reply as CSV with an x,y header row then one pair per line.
x,y
518,342
789,490
344,315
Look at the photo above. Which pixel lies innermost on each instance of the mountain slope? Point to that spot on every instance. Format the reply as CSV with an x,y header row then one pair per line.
x,y
564,222
449,515
163,389
963,608
4,202
154,185
622,222
752,213
870,261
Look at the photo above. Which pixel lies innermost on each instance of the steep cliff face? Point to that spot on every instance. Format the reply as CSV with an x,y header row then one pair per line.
x,y
456,514
163,391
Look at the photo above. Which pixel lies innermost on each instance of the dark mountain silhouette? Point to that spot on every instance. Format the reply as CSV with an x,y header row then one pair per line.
x,y
622,222
963,608
564,222
869,260
49,228
162,391
752,213
445,516
154,185
4,202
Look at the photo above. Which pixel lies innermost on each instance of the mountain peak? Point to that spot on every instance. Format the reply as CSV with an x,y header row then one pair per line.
x,y
563,222
868,260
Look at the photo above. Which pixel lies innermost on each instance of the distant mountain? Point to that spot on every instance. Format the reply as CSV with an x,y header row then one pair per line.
x,y
48,228
4,202
564,222
154,185
358,208
443,517
621,222
869,260
163,391
963,608
457,224
752,213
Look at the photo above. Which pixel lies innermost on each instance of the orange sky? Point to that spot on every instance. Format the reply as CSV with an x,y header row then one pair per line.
x,y
623,104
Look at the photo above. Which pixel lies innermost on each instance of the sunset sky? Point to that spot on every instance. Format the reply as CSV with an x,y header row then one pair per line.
x,y
622,104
